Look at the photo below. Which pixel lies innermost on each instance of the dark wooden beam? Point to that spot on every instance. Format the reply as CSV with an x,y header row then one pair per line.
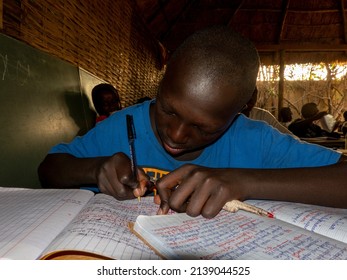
x,y
159,9
1,13
343,15
186,7
300,47
285,5
234,13
281,81
293,11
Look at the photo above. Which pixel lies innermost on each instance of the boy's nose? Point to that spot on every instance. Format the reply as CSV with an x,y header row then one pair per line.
x,y
179,134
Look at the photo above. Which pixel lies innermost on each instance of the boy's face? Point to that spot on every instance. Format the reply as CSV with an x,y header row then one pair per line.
x,y
108,104
192,111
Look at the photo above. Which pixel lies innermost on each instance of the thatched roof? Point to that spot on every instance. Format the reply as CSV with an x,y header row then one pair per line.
x,y
307,30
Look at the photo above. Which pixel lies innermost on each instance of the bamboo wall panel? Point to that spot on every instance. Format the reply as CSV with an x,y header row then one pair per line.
x,y
104,37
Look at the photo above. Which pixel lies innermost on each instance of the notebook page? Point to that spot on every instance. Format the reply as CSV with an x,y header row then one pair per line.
x,y
331,222
31,218
102,228
238,235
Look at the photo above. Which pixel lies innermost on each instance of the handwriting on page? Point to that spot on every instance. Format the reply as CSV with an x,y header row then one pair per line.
x,y
331,222
102,226
31,219
242,236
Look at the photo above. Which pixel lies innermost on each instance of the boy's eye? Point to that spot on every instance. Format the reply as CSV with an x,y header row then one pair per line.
x,y
168,112
203,132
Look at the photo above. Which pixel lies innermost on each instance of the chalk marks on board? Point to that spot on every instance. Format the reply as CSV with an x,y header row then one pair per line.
x,y
14,70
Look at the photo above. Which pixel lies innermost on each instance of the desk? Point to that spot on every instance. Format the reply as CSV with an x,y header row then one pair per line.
x,y
344,151
334,143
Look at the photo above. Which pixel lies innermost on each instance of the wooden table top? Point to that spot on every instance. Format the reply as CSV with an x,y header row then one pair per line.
x,y
337,143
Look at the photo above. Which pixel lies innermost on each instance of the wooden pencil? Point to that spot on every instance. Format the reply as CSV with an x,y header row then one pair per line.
x,y
235,205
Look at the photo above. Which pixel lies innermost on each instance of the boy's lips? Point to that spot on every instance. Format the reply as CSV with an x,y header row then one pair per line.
x,y
171,150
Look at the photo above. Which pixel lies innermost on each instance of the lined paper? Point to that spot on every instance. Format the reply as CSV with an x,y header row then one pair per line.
x,y
38,221
31,218
102,228
331,222
238,235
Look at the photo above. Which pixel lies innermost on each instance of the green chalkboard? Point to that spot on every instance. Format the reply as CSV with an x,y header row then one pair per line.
x,y
41,104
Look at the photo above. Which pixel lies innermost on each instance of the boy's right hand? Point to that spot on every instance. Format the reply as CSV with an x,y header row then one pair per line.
x,y
114,177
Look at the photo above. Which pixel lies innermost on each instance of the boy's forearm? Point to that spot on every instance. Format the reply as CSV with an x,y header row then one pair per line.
x,y
325,186
65,170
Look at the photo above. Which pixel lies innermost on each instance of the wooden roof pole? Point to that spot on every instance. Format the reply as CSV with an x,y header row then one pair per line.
x,y
185,8
236,10
159,8
344,21
281,81
1,9
285,6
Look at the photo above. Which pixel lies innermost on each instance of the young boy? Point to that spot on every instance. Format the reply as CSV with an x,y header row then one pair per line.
x,y
194,134
106,100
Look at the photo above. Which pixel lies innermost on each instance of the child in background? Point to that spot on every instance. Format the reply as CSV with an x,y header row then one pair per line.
x,y
106,100
261,114
306,126
285,116
343,127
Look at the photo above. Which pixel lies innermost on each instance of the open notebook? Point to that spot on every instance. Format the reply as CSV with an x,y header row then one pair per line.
x,y
48,223
298,231
71,223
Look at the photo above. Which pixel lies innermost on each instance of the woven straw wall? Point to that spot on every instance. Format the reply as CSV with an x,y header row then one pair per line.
x,y
104,37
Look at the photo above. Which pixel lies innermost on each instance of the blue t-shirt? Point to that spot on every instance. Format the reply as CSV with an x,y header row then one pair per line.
x,y
246,144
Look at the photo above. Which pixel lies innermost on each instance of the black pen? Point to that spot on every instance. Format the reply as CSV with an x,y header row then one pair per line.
x,y
131,140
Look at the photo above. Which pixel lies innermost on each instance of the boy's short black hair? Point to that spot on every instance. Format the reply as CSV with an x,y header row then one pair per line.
x,y
97,96
104,87
309,110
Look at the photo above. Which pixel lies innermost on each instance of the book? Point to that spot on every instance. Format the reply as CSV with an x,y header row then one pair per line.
x,y
78,224
70,224
298,231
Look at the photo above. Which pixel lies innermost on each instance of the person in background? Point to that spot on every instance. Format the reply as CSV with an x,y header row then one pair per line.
x,y
194,141
106,100
306,126
257,113
343,125
285,116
